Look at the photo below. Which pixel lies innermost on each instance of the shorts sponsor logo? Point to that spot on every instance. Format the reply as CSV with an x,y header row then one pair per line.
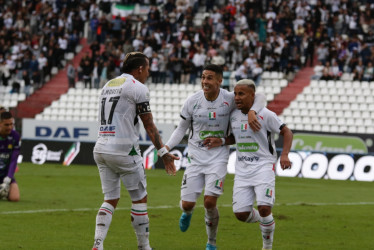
x,y
248,147
269,193
219,184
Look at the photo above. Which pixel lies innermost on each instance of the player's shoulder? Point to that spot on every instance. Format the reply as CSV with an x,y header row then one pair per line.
x,y
196,96
15,135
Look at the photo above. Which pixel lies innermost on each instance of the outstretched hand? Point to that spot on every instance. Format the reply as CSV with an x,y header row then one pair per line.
x,y
168,160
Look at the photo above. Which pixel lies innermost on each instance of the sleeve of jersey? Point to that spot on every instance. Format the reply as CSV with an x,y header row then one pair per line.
x,y
259,102
178,133
14,157
142,101
274,123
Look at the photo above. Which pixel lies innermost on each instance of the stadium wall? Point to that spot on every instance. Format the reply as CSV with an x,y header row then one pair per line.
x,y
315,155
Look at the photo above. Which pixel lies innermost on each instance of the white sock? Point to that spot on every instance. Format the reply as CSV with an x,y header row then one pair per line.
x,y
267,226
140,223
103,220
254,216
211,223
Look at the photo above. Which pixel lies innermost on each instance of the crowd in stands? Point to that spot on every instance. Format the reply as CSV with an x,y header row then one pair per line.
x,y
34,38
181,36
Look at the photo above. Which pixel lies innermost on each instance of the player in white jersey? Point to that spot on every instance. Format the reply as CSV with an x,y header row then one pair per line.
x,y
206,113
117,154
255,160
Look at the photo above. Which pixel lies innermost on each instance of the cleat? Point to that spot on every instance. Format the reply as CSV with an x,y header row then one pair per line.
x,y
210,247
184,221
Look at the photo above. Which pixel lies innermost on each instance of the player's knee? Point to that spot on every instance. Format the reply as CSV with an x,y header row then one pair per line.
x,y
210,202
264,210
242,216
187,205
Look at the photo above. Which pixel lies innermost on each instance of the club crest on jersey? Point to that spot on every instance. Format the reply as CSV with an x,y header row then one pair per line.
x,y
219,184
212,115
244,127
10,146
269,193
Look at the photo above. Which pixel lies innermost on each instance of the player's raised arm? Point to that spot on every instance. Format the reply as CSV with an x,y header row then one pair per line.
x,y
154,135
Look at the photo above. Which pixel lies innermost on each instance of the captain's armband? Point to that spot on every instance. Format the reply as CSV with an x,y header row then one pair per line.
x,y
142,108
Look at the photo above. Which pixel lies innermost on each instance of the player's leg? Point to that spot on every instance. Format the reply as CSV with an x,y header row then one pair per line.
x,y
265,195
136,186
213,189
191,188
110,184
13,192
243,200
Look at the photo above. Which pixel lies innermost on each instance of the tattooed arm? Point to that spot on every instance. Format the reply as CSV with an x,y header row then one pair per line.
x,y
154,135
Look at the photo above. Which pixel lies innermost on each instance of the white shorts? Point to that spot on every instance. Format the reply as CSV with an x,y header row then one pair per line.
x,y
245,194
115,168
195,179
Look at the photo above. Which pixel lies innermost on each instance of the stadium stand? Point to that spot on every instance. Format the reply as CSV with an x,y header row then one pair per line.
x,y
179,38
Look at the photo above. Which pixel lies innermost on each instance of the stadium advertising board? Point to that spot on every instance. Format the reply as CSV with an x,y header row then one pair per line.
x,y
331,143
333,166
77,131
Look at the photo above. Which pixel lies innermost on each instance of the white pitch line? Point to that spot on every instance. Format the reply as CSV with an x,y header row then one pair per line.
x,y
168,207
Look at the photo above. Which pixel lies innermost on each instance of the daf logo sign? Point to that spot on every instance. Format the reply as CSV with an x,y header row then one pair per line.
x,y
60,132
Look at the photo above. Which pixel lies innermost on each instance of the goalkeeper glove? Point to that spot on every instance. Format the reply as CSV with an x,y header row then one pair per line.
x,y
4,187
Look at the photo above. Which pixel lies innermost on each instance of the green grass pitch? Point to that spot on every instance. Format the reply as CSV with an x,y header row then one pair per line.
x,y
59,204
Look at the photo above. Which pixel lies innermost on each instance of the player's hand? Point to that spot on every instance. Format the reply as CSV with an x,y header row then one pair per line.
x,y
5,186
168,160
285,162
253,122
212,142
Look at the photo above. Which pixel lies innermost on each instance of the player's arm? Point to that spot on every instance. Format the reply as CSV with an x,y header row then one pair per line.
x,y
213,142
258,104
287,143
178,133
152,131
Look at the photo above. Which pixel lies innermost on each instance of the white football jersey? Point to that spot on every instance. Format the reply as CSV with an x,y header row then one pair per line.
x,y
254,150
121,100
208,119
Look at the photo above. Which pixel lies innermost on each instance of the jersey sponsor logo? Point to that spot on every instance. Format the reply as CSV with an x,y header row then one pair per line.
x,y
212,115
107,130
247,158
248,147
116,82
244,127
206,134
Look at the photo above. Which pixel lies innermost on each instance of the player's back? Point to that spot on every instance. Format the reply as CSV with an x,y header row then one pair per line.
x,y
118,121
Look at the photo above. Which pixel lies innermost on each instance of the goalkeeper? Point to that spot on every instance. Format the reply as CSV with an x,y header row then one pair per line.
x,y
9,151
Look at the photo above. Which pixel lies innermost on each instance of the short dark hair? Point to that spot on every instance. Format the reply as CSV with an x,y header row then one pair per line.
x,y
215,68
133,60
5,116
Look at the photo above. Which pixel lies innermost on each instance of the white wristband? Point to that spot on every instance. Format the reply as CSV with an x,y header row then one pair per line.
x,y
223,141
7,180
162,151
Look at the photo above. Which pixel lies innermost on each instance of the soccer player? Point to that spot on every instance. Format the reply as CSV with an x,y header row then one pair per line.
x,y
206,113
123,101
9,151
255,162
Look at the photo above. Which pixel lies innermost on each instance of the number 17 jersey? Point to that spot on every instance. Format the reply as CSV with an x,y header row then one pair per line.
x,y
118,116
